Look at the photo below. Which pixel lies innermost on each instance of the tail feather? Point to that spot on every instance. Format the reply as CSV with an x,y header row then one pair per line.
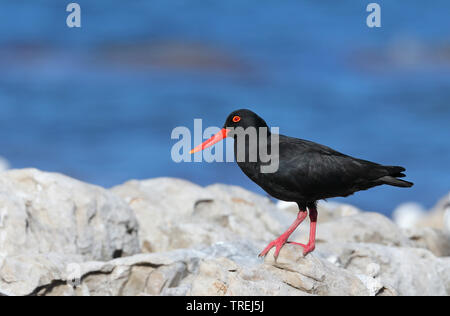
x,y
394,173
396,182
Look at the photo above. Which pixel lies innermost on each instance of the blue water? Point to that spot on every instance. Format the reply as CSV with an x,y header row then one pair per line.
x,y
99,103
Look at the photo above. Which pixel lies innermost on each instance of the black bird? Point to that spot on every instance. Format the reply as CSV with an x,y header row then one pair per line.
x,y
307,172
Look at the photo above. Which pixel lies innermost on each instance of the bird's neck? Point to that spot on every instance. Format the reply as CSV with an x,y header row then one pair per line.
x,y
251,145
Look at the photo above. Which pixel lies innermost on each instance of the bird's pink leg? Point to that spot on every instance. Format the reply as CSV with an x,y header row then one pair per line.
x,y
280,241
312,233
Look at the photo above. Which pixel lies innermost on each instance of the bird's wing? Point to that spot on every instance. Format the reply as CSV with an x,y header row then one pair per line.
x,y
312,168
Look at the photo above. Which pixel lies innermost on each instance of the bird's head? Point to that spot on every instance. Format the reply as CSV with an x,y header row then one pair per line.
x,y
238,119
244,118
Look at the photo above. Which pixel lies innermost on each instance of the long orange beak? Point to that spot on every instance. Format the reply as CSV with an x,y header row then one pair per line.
x,y
213,140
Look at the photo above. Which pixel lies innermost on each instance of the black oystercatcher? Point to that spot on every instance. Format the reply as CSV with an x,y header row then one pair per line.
x,y
307,172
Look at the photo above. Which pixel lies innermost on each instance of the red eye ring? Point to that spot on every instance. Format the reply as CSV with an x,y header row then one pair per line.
x,y
236,119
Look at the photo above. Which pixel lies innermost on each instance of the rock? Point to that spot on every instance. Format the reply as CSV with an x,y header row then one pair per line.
x,y
405,271
43,213
327,210
162,206
408,215
314,275
429,230
232,269
377,229
179,272
287,206
436,218
32,274
176,214
249,215
435,240
447,220
59,236
4,164
223,277
360,228
50,276
222,269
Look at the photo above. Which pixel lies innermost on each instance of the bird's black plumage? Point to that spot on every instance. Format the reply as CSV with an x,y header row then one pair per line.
x,y
309,172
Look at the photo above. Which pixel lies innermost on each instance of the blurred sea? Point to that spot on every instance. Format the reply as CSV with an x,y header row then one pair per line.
x,y
99,103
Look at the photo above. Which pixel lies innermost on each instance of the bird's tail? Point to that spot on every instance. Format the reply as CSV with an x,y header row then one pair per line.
x,y
396,172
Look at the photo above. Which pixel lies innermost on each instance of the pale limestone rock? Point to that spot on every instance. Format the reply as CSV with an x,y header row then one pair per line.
x,y
175,214
435,240
223,277
447,220
327,210
179,272
143,274
58,236
408,215
360,228
314,275
32,274
162,206
373,285
403,270
222,269
4,164
44,213
435,218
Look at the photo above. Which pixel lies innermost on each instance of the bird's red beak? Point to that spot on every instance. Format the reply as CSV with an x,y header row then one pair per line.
x,y
213,140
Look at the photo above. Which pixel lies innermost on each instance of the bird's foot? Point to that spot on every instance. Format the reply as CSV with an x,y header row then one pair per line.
x,y
306,248
277,243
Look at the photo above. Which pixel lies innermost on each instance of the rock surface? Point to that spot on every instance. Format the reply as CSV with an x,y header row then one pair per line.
x,y
4,164
412,215
176,214
166,236
43,213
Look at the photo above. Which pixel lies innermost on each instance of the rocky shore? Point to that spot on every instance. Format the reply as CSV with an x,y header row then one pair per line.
x,y
60,236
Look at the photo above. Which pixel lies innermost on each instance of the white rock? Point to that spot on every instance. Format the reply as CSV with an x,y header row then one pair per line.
x,y
287,206
373,269
361,228
179,272
175,214
161,207
58,237
222,277
43,213
435,240
210,271
407,215
32,274
314,275
232,269
334,210
4,164
327,210
373,285
435,218
447,219
406,271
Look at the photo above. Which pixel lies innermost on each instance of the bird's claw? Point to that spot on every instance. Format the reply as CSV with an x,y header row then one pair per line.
x,y
306,248
278,243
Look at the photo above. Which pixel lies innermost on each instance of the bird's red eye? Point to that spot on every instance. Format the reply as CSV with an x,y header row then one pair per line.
x,y
236,119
